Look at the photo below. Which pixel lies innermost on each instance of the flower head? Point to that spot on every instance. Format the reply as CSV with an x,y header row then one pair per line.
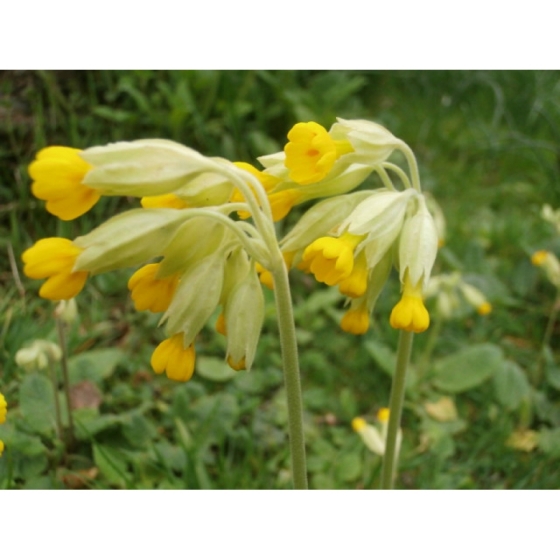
x,y
38,355
55,258
58,177
550,264
174,358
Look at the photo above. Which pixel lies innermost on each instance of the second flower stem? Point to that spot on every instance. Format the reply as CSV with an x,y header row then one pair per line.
x,y
291,375
395,406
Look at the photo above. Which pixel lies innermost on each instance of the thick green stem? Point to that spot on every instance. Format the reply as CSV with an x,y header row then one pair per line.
x,y
395,406
291,375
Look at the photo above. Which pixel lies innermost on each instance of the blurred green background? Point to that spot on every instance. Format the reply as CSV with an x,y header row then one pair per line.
x,y
488,146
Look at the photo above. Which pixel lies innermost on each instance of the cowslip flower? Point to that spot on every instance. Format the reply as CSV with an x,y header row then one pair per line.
x,y
175,358
318,163
549,263
58,174
72,181
375,437
148,291
54,258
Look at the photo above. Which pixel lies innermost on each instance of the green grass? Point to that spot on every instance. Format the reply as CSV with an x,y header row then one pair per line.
x,y
487,145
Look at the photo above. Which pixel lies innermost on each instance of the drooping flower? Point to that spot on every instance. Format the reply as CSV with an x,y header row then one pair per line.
x,y
174,358
149,291
58,176
550,264
410,314
355,321
55,258
311,152
331,259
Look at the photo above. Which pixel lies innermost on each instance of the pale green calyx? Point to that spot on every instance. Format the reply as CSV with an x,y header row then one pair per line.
x,y
129,239
195,298
144,167
244,315
418,246
320,219
372,142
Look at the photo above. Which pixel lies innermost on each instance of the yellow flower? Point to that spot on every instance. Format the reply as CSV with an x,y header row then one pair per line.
x,y
58,173
358,424
150,292
220,325
331,259
410,314
1,447
171,356
356,284
265,276
539,257
311,152
266,180
163,201
484,308
3,408
355,321
383,415
54,258
282,202
237,366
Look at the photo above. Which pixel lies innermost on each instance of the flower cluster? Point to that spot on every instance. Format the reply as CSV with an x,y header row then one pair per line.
x,y
353,239
191,257
194,250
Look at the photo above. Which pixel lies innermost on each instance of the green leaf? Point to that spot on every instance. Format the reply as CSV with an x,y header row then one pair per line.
x,y
549,441
383,356
467,368
36,398
349,467
511,385
94,365
89,422
552,371
137,429
111,464
214,369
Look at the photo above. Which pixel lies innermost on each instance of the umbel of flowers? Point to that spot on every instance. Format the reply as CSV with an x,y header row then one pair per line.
x,y
195,250
353,239
192,256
